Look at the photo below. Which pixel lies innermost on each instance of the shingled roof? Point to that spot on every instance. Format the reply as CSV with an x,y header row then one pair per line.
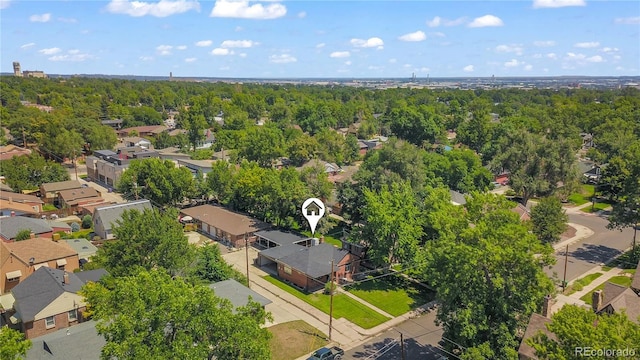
x,y
40,249
237,293
225,220
61,185
314,261
11,226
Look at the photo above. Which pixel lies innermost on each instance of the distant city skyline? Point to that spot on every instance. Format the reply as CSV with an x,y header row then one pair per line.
x,y
322,39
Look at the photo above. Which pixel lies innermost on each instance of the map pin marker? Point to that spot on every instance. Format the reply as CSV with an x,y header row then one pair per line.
x,y
313,210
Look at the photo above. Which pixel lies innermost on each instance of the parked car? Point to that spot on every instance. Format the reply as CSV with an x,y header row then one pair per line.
x,y
334,353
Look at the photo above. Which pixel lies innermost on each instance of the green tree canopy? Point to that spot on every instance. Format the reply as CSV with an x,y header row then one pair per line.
x,y
153,316
12,344
549,220
157,180
29,172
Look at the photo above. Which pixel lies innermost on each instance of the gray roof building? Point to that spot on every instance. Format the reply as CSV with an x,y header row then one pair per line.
x,y
280,238
106,216
237,293
83,247
11,226
315,261
457,198
81,341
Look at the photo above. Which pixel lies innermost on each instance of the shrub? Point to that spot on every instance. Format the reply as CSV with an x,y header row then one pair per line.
x,y
330,287
510,192
87,221
75,227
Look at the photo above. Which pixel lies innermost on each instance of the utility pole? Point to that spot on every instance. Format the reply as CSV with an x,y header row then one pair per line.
x,y
246,251
24,139
331,301
402,346
135,189
75,165
564,279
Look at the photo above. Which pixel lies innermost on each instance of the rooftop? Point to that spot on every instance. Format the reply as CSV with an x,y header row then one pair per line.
x,y
225,220
40,249
281,237
61,185
237,293
11,226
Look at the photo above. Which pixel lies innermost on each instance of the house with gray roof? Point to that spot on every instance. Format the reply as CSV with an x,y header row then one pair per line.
x,y
79,342
457,198
83,247
48,300
237,293
105,217
309,268
12,225
271,238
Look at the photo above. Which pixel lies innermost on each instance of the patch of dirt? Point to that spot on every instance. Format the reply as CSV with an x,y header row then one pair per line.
x,y
569,233
294,339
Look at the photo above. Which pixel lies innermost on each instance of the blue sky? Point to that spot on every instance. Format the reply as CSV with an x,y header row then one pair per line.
x,y
350,39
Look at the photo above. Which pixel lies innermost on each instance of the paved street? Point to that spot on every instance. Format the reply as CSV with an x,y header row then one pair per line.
x,y
599,248
421,338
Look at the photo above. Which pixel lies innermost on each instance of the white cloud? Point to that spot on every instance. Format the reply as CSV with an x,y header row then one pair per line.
x,y
340,54
414,36
241,9
164,49
587,45
468,68
552,56
181,47
204,43
438,21
302,14
146,58
393,61
347,62
190,60
238,29
73,56
609,50
595,59
40,18
282,59
512,63
243,55
26,46
221,52
628,21
438,34
513,48
371,42
321,45
574,56
4,4
486,21
50,51
528,67
539,4
163,8
68,20
238,44
545,43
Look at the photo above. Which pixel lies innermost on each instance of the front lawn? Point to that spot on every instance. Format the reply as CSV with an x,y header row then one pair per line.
x,y
49,207
343,306
327,238
582,282
596,207
583,196
619,280
393,294
294,339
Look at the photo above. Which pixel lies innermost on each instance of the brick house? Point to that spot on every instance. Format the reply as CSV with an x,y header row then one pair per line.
x,y
49,191
11,226
48,300
74,197
225,225
10,199
309,268
19,260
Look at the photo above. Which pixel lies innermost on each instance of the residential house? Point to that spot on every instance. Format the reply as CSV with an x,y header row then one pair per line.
x,y
75,197
10,151
362,147
106,166
587,140
83,247
131,141
224,225
615,298
48,300
12,225
105,217
81,341
207,142
116,124
34,202
18,260
271,238
537,323
329,168
49,191
150,130
12,208
204,166
457,198
237,293
523,212
309,268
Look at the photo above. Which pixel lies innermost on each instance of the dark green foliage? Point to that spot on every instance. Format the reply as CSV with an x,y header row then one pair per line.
x,y
87,222
75,227
29,172
549,220
210,267
13,345
23,235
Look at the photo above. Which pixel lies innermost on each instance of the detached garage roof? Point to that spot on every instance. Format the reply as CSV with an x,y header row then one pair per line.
x,y
237,293
225,220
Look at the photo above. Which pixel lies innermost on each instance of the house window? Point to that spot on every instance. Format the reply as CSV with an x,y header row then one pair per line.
x,y
73,315
287,270
13,279
50,322
347,267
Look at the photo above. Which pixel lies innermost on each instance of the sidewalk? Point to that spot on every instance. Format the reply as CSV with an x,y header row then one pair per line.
x,y
582,232
595,283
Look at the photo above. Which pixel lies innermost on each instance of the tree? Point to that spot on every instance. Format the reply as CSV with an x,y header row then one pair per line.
x,y
23,234
148,240
626,210
13,345
549,220
157,180
577,328
488,278
195,123
262,144
392,228
29,172
210,267
87,222
153,316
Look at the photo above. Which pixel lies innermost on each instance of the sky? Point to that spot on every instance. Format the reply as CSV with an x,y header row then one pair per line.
x,y
322,38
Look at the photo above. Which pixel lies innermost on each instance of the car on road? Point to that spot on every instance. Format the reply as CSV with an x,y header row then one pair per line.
x,y
333,353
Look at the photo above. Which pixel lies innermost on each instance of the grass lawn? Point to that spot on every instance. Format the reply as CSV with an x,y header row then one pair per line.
x,y
80,234
597,207
582,282
49,207
343,306
582,197
393,294
620,280
328,239
294,339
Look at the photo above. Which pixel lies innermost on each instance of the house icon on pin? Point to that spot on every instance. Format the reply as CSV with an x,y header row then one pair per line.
x,y
313,209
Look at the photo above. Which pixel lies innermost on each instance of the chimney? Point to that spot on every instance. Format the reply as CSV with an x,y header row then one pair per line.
x,y
546,306
321,239
32,236
65,278
596,300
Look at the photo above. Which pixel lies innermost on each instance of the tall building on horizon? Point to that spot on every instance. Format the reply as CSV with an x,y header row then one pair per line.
x,y
16,69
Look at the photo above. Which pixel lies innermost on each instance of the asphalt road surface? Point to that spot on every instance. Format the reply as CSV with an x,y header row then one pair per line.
x,y
421,338
599,248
